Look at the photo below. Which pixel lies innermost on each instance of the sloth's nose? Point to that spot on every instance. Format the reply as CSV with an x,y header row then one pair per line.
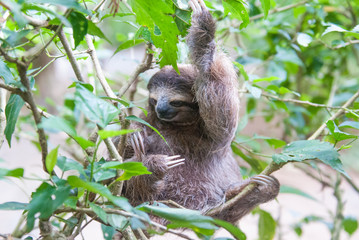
x,y
164,110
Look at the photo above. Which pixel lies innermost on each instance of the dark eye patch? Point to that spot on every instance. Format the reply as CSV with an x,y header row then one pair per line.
x,y
182,103
177,103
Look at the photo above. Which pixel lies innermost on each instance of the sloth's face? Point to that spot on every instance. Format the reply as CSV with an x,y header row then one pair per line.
x,y
174,107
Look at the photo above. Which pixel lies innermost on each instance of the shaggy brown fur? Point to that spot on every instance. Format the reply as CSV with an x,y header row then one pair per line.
x,y
210,172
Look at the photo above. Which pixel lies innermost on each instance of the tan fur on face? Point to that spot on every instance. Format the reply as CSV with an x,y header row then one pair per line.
x,y
170,94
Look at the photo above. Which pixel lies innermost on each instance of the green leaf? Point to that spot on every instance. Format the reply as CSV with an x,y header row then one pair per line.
x,y
66,164
235,231
5,73
18,15
66,3
287,55
45,201
237,9
158,15
13,206
94,108
266,7
267,79
117,221
183,218
276,143
333,28
113,133
57,124
350,225
304,39
336,133
266,226
51,160
288,189
121,202
350,124
99,212
79,26
17,172
17,37
108,232
130,169
40,8
128,44
12,111
256,164
84,143
308,150
256,92
241,70
137,119
96,31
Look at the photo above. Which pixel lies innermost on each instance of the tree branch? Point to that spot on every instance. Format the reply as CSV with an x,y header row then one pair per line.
x,y
29,98
100,75
71,56
3,93
10,88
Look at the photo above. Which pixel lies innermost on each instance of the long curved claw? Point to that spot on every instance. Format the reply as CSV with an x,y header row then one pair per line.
x,y
202,5
195,6
263,180
173,161
140,140
137,145
169,158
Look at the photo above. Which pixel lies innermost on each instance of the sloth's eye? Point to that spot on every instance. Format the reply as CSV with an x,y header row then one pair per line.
x,y
153,101
177,103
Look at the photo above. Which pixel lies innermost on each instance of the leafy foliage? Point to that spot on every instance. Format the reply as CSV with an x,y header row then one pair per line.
x,y
298,61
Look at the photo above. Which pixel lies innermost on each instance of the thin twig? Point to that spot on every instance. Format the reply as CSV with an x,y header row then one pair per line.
x,y
99,5
98,69
350,42
39,52
71,56
335,116
301,102
144,66
277,10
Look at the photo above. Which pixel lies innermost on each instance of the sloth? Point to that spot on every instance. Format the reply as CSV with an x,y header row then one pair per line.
x,y
196,111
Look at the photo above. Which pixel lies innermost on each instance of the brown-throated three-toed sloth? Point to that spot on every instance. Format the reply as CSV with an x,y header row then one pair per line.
x,y
197,113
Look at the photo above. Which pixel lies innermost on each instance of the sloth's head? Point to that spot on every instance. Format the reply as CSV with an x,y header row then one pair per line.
x,y
171,96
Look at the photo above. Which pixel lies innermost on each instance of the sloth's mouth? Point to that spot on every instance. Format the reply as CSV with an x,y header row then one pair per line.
x,y
167,116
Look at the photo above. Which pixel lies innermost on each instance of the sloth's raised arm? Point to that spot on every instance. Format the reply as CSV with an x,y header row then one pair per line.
x,y
216,85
